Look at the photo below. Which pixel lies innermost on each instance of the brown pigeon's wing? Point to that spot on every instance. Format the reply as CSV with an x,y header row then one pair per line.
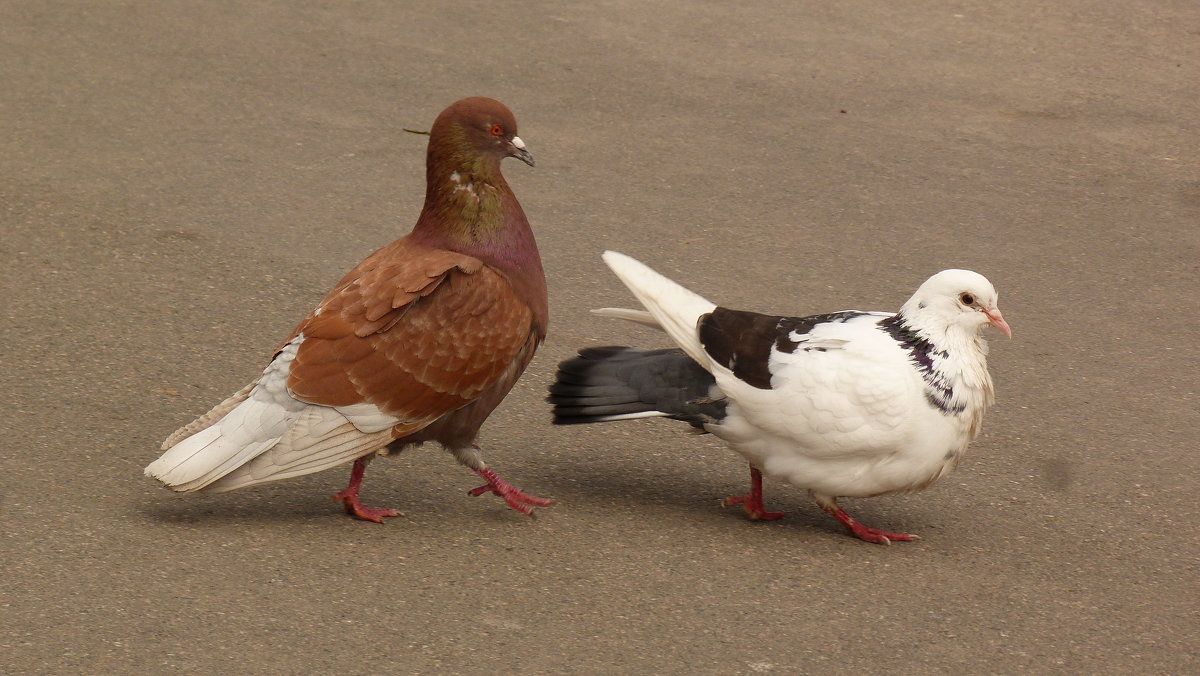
x,y
414,331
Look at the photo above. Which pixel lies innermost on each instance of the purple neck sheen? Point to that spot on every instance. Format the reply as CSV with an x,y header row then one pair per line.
x,y
470,208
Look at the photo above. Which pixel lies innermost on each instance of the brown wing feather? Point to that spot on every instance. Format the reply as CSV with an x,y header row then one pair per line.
x,y
415,331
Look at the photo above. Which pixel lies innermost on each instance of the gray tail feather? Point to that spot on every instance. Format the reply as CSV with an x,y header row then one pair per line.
x,y
621,383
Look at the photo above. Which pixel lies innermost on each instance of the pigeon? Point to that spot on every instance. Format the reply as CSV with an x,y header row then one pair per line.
x,y
845,404
419,342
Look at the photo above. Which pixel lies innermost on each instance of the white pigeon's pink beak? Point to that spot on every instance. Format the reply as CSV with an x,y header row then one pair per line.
x,y
997,320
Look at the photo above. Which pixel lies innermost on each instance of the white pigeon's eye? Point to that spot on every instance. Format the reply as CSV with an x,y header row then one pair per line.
x,y
966,299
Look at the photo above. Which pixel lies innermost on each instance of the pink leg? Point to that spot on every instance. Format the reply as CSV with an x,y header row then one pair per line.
x,y
753,503
511,494
349,497
862,532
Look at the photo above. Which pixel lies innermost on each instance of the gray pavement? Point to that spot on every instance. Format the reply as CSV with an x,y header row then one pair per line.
x,y
180,182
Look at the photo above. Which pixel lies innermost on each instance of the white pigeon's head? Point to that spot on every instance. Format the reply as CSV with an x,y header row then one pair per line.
x,y
957,298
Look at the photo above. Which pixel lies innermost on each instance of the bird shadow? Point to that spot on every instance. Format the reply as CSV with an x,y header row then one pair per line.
x,y
214,510
679,492
311,502
669,488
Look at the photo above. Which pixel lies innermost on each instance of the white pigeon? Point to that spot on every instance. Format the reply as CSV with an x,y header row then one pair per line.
x,y
848,404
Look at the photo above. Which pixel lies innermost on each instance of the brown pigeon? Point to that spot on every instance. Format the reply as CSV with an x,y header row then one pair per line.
x,y
419,342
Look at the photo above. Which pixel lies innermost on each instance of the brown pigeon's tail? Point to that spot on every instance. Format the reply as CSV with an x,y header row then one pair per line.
x,y
602,384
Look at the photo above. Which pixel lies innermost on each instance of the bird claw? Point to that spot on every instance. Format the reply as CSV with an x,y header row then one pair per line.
x,y
881,537
753,507
358,510
350,501
513,496
752,502
868,534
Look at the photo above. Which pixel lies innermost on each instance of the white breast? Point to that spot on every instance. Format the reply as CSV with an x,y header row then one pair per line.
x,y
846,415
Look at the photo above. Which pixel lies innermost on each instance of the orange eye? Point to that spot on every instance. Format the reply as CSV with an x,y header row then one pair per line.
x,y
497,130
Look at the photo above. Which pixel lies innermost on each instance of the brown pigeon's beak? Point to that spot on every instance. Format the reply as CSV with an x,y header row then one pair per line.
x,y
997,320
516,148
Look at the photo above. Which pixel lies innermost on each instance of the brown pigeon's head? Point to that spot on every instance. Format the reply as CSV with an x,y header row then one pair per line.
x,y
479,127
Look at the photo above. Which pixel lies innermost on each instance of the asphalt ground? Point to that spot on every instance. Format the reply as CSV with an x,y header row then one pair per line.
x,y
180,182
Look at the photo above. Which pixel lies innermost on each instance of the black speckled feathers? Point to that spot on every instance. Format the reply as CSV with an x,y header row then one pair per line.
x,y
938,391
742,341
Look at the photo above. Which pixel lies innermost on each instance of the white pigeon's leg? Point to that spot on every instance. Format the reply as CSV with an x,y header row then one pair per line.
x,y
752,502
515,497
349,497
882,537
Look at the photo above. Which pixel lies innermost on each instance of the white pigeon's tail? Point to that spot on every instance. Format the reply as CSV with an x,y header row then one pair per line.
x,y
675,308
636,316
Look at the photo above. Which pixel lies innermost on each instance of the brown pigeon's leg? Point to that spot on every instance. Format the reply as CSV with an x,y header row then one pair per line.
x,y
515,497
858,530
753,503
349,497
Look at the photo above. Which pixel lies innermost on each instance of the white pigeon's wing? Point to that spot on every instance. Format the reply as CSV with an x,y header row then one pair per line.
x,y
856,399
833,384
744,342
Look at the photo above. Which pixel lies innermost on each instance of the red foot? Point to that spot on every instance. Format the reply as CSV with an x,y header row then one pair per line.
x,y
515,498
752,503
358,510
349,497
868,534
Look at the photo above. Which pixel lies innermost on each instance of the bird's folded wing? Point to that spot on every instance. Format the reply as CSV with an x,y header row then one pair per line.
x,y
414,331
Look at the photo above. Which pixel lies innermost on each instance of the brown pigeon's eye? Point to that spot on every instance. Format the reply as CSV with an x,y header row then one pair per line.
x,y
497,130
967,299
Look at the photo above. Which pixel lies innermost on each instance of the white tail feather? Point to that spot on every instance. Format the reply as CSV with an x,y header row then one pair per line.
x,y
297,453
253,426
675,308
237,452
263,433
205,421
636,316
629,416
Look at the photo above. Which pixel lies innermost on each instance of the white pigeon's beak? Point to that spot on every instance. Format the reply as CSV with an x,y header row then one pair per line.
x,y
516,148
997,320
